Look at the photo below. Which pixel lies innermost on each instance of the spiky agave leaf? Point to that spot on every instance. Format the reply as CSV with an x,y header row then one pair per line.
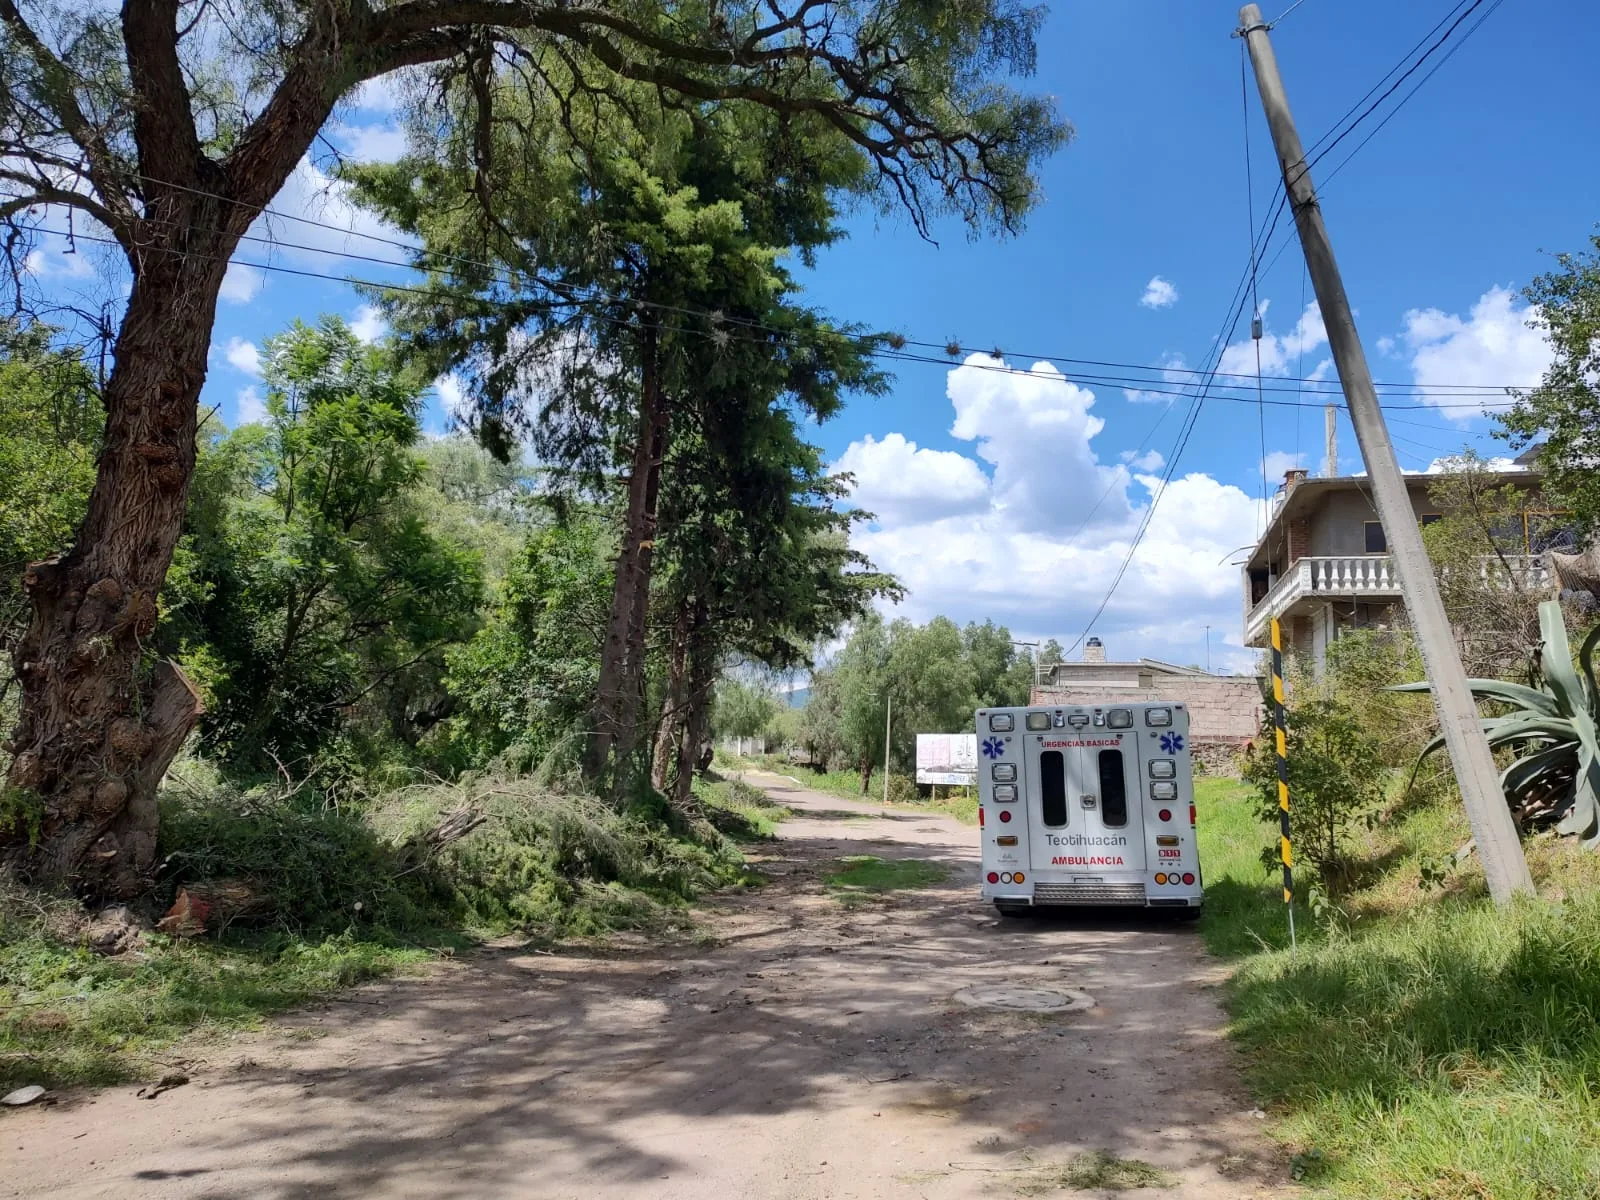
x,y
1554,729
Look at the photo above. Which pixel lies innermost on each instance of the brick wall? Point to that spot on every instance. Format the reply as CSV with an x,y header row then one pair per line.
x,y
1299,540
1222,708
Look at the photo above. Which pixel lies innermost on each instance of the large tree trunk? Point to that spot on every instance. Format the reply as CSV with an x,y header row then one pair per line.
x,y
615,722
98,725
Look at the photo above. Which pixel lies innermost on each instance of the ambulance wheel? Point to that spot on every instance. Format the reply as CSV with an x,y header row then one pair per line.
x,y
1012,910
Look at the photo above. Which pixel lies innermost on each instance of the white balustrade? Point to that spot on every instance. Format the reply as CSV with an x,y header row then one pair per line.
x,y
1354,576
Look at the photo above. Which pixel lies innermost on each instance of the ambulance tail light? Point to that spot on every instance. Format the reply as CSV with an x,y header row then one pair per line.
x,y
994,876
1188,878
980,816
1192,821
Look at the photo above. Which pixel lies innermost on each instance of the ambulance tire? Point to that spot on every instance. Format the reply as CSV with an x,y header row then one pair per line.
x,y
1013,910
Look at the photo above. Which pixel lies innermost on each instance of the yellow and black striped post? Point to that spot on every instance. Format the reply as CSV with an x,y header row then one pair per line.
x,y
1282,745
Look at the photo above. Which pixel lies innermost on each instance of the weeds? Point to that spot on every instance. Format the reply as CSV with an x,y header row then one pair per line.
x,y
859,877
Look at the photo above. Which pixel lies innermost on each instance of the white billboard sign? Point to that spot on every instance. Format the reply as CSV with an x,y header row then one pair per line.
x,y
950,758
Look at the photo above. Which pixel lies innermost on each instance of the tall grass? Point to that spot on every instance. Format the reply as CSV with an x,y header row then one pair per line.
x,y
1420,1043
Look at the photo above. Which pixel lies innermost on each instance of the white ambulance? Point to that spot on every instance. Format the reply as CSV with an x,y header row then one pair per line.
x,y
1088,805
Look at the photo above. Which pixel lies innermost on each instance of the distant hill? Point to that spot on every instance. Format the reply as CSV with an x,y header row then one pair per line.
x,y
798,697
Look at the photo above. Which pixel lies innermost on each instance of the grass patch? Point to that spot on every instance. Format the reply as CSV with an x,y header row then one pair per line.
x,y
1098,1170
68,1016
860,877
744,813
1421,1043
350,900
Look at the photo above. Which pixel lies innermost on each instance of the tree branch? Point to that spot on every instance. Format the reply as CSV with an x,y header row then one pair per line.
x,y
163,117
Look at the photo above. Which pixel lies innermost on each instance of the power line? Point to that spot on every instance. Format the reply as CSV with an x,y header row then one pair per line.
x,y
1476,395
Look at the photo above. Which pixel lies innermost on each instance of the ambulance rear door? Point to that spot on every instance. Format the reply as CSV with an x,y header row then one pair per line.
x,y
1084,811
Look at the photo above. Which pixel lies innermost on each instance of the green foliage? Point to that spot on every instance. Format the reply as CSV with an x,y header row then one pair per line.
x,y
525,681
1335,782
50,427
861,876
742,709
1554,778
1448,1053
735,808
311,577
1563,412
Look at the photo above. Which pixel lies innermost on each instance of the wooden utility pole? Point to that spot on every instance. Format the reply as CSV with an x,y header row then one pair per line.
x,y
1479,781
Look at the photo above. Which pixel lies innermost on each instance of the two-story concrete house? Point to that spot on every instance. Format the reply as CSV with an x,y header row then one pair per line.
x,y
1323,565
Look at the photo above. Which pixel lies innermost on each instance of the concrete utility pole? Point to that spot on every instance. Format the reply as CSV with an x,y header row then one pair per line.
x,y
1331,436
1496,835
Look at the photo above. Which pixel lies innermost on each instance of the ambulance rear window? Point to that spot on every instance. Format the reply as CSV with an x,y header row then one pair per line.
x,y
1053,788
1113,790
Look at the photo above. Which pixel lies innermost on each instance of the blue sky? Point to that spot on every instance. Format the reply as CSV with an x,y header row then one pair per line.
x,y
981,479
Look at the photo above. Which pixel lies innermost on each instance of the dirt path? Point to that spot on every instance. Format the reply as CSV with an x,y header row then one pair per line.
x,y
811,1051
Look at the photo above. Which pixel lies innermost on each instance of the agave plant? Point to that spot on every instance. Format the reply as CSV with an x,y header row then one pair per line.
x,y
1555,777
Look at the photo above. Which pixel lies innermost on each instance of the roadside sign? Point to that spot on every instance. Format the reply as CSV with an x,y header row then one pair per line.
x,y
949,758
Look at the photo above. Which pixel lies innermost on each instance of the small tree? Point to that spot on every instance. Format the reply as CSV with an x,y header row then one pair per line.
x,y
1335,772
1562,414
742,710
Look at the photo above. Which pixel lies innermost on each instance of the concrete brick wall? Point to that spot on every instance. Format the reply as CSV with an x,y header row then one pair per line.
x,y
1222,708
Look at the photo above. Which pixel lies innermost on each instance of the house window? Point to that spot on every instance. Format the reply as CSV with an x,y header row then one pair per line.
x,y
1431,519
1376,542
1550,531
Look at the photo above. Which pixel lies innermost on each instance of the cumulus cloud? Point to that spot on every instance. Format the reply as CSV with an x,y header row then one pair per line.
x,y
452,396
1451,462
249,407
329,222
1041,547
898,482
369,143
1492,346
1159,293
368,323
1175,375
1150,460
243,356
1280,461
241,283
1280,353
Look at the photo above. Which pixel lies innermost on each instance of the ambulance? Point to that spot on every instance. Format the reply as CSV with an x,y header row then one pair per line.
x,y
1088,805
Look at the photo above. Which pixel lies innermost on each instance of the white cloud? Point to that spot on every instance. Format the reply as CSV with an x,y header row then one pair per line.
x,y
1277,463
1174,374
452,396
1034,426
1499,463
1038,554
1493,346
243,356
897,481
1159,293
249,407
241,283
1280,353
1150,460
335,223
368,323
369,143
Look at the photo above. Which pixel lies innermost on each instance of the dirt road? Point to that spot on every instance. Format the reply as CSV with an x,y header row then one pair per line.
x,y
811,1050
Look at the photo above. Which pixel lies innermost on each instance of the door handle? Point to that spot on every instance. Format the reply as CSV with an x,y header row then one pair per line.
x,y
1088,801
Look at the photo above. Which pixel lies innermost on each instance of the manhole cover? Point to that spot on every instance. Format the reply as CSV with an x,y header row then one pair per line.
x,y
1017,997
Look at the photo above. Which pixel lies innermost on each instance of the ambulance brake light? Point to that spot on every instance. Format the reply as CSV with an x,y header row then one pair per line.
x,y
994,876
1191,814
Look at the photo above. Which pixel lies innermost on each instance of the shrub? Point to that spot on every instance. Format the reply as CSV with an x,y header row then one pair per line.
x,y
1335,773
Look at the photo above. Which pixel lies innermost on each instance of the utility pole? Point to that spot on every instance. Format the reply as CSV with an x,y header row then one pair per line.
x,y
1492,827
888,713
1208,649
1331,436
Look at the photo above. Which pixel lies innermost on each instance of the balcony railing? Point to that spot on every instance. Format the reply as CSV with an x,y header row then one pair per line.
x,y
1362,577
